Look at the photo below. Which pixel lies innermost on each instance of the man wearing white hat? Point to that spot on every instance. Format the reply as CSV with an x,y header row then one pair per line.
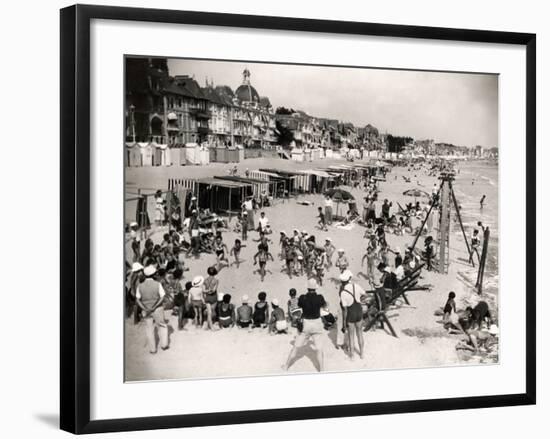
x,y
149,298
311,304
352,312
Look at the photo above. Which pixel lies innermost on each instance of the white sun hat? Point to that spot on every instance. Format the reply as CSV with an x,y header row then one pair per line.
x,y
311,284
346,276
244,299
493,329
275,302
136,266
341,250
197,281
149,270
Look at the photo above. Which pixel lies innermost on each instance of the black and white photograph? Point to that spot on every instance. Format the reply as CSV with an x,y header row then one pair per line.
x,y
296,219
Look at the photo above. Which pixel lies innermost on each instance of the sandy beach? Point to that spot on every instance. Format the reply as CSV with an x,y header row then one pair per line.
x,y
198,353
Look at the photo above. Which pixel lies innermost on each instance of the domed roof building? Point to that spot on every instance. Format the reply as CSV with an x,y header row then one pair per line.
x,y
245,92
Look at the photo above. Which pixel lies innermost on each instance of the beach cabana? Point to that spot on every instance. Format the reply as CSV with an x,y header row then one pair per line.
x,y
235,155
220,154
289,178
146,151
193,154
258,186
297,155
316,154
133,155
222,196
320,180
280,186
161,155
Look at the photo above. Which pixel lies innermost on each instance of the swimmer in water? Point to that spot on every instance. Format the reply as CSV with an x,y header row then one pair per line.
x,y
482,202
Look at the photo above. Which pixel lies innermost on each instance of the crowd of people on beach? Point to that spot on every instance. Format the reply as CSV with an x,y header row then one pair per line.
x,y
155,273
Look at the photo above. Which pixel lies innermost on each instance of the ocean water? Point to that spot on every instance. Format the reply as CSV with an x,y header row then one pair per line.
x,y
484,176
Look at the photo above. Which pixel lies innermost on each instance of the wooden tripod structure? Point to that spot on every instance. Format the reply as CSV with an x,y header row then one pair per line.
x,y
447,201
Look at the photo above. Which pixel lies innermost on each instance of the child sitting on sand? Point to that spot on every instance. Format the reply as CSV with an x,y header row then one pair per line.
x,y
244,313
277,324
261,311
226,312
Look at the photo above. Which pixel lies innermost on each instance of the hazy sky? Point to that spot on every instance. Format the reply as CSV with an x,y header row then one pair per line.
x,y
447,107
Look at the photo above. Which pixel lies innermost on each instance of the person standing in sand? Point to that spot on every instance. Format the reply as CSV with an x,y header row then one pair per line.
x,y
311,304
211,295
352,313
248,206
328,210
149,297
329,250
342,262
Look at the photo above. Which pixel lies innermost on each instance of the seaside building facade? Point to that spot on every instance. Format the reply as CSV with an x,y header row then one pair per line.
x,y
176,110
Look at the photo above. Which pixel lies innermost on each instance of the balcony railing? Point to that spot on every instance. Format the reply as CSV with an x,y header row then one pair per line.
x,y
200,114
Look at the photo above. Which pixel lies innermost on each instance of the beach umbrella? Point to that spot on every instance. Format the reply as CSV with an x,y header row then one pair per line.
x,y
416,193
340,195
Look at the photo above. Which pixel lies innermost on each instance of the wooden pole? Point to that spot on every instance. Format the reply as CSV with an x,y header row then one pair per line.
x,y
229,203
461,225
444,225
483,259
417,237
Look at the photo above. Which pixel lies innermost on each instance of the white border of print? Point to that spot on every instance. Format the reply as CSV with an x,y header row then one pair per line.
x,y
111,398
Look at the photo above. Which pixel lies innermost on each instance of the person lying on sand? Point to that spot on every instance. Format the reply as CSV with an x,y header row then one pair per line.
x,y
479,339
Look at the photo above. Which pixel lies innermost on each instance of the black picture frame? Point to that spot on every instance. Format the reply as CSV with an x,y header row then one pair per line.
x,y
75,217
